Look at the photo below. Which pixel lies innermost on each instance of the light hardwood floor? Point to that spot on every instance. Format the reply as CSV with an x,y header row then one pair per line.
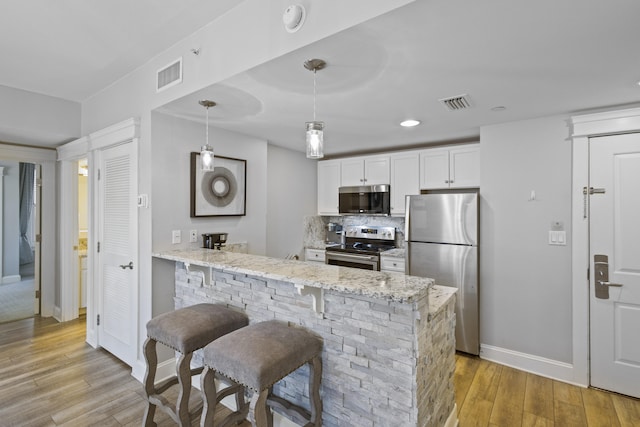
x,y
488,394
50,377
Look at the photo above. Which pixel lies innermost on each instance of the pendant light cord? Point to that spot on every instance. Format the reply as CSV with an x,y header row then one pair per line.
x,y
314,95
207,129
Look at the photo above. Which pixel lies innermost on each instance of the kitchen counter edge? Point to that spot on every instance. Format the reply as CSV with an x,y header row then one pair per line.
x,y
396,287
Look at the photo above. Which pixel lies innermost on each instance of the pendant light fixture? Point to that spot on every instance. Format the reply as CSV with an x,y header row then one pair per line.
x,y
315,129
206,153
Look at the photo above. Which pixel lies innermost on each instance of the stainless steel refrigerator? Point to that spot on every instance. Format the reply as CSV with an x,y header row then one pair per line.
x,y
441,233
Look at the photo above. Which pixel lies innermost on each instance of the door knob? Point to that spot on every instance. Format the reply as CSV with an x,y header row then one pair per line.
x,y
617,285
602,285
125,266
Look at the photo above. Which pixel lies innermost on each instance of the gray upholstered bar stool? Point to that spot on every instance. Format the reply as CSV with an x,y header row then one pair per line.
x,y
184,330
257,357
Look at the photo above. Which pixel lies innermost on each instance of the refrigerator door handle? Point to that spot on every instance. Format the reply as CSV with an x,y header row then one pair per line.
x,y
407,204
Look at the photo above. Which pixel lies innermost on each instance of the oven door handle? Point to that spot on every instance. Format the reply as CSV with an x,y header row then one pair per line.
x,y
348,257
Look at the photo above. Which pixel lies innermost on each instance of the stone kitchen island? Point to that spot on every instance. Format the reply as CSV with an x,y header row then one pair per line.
x,y
389,341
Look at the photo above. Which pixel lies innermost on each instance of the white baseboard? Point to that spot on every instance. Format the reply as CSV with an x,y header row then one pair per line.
x,y
542,366
57,313
11,279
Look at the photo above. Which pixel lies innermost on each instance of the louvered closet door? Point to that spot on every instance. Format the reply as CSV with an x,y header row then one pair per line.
x,y
118,284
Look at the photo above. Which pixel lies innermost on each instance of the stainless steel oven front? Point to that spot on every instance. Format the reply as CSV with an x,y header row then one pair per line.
x,y
348,259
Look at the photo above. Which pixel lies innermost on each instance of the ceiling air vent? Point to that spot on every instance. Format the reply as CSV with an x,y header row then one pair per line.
x,y
170,75
455,103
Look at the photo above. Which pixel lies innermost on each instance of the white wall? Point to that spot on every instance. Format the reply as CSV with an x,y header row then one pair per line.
x,y
173,141
292,189
11,221
525,288
28,118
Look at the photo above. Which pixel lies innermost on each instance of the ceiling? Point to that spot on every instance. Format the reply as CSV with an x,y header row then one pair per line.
x,y
533,58
72,49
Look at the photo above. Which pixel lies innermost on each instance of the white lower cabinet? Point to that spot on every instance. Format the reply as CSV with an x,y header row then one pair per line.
x,y
314,255
391,263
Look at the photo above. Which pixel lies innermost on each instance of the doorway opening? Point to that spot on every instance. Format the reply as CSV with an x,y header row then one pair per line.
x,y
20,231
83,233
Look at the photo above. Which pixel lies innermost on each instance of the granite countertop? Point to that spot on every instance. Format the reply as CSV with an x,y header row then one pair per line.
x,y
384,285
394,253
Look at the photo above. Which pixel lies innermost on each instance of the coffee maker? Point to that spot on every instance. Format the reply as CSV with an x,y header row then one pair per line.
x,y
214,240
334,233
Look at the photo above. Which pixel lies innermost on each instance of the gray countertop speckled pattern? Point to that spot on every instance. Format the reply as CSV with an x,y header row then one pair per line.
x,y
375,284
395,253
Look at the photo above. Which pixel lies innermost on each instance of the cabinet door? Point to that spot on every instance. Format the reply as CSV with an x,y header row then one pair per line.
x,y
464,167
376,170
405,179
353,171
328,183
434,168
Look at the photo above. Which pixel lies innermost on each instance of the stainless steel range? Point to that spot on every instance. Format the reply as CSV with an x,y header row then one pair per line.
x,y
362,247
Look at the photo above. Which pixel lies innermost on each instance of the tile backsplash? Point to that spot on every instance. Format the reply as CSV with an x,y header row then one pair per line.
x,y
315,227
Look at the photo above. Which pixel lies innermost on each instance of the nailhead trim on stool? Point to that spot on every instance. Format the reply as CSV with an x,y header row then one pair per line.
x,y
257,357
184,330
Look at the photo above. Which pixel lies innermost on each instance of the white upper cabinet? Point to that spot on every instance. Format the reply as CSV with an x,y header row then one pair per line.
x,y
405,179
457,167
368,170
328,183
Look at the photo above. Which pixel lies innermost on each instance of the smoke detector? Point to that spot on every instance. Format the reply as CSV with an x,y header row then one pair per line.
x,y
293,17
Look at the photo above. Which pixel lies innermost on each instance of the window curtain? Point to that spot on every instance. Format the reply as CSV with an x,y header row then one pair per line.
x,y
27,175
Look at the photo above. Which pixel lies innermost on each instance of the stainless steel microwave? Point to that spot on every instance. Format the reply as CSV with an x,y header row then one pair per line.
x,y
365,200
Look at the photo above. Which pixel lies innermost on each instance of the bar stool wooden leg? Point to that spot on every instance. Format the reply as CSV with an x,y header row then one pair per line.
x,y
183,372
208,387
315,376
259,413
151,358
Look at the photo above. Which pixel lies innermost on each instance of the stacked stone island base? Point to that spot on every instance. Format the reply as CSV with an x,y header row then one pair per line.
x,y
388,354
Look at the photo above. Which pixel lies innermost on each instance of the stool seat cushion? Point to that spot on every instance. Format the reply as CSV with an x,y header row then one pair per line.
x,y
190,328
263,353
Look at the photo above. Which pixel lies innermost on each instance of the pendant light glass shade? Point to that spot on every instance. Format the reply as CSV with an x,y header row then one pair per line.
x,y
206,152
315,129
206,158
315,140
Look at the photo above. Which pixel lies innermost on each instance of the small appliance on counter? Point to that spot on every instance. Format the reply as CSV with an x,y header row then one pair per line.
x,y
334,233
214,240
362,247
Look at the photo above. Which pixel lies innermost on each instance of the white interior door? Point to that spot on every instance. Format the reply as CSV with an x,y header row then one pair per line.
x,y
118,251
615,247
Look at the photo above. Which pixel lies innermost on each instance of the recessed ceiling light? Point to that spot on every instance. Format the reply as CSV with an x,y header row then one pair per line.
x,y
499,108
410,123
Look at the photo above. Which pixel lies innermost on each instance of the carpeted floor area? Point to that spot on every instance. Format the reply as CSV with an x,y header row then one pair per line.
x,y
16,300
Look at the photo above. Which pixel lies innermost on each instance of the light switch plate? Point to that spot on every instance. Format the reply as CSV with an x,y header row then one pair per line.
x,y
176,236
558,238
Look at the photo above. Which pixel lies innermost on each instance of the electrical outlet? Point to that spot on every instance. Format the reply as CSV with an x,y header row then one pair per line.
x,y
176,236
193,236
